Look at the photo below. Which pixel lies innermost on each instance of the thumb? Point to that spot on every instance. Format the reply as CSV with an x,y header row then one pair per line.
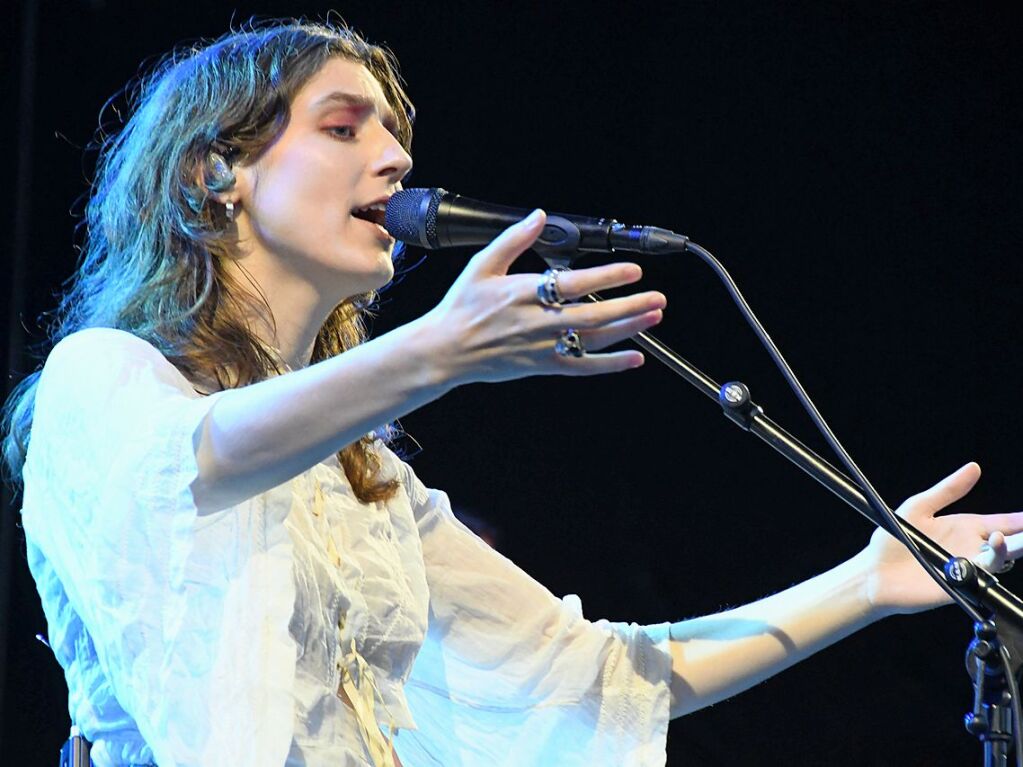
x,y
944,493
498,256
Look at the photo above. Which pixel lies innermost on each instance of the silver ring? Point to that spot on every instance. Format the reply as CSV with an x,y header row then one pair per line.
x,y
548,290
1009,564
570,344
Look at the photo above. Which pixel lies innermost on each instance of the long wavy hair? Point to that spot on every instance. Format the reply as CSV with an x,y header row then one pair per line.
x,y
153,259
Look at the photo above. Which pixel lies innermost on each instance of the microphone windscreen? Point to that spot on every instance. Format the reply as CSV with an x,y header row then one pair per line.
x,y
411,216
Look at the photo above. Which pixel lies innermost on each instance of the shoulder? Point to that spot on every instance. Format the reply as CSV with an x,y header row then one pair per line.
x,y
102,357
102,342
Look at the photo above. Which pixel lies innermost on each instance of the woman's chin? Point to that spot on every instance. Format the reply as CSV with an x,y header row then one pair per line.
x,y
375,278
385,273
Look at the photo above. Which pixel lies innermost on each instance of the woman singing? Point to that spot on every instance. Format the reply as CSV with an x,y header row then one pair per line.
x,y
235,568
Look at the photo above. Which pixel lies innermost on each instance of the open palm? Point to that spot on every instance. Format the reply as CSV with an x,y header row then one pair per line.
x,y
898,584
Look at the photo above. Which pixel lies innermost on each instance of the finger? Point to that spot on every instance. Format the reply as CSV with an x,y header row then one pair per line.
x,y
997,543
993,554
1014,545
595,340
946,492
575,284
498,256
598,364
1006,523
592,316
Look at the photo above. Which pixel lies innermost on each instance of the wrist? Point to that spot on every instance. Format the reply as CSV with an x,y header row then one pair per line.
x,y
422,342
865,574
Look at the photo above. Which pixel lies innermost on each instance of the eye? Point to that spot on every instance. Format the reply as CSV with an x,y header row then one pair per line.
x,y
342,131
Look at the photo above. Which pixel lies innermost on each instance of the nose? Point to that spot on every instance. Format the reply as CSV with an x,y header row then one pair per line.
x,y
393,162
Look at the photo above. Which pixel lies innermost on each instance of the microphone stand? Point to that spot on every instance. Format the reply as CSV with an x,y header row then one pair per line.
x,y
990,718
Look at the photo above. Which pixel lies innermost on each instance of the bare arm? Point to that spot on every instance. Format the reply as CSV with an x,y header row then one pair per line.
x,y
489,327
259,436
718,656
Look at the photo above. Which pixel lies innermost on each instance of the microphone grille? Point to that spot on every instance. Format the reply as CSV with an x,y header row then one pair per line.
x,y
412,213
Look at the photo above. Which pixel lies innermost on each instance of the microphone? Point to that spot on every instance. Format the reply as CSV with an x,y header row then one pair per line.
x,y
435,218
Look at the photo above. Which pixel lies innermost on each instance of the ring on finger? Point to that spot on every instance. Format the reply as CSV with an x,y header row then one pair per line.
x,y
1006,566
548,290
570,344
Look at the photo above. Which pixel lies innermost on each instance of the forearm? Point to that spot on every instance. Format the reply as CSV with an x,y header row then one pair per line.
x,y
717,656
261,435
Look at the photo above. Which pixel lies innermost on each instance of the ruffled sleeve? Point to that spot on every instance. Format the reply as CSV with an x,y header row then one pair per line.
x,y
511,675
149,598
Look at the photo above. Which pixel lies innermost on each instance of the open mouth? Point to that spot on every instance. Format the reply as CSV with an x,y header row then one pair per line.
x,y
375,213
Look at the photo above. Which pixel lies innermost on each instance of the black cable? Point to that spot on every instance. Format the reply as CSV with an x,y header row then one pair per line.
x,y
885,517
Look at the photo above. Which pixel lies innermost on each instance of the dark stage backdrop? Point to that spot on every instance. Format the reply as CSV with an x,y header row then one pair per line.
x,y
856,166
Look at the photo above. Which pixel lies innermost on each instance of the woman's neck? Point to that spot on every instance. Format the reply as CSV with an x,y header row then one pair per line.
x,y
292,309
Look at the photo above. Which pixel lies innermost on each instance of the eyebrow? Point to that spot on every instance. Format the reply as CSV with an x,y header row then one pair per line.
x,y
359,102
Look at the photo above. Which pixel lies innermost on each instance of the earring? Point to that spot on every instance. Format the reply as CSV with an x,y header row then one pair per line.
x,y
229,210
220,167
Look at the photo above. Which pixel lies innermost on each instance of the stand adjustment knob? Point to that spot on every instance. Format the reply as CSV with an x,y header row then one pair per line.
x,y
735,400
985,630
975,724
982,649
960,570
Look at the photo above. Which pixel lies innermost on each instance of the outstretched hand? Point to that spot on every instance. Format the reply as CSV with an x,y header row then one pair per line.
x,y
492,326
897,583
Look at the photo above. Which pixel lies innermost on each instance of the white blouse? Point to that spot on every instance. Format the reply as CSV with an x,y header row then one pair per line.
x,y
197,637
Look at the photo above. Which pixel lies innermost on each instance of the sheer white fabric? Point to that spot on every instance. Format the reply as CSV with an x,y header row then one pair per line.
x,y
194,638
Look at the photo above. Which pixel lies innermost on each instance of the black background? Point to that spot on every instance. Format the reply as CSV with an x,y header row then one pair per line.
x,y
855,165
